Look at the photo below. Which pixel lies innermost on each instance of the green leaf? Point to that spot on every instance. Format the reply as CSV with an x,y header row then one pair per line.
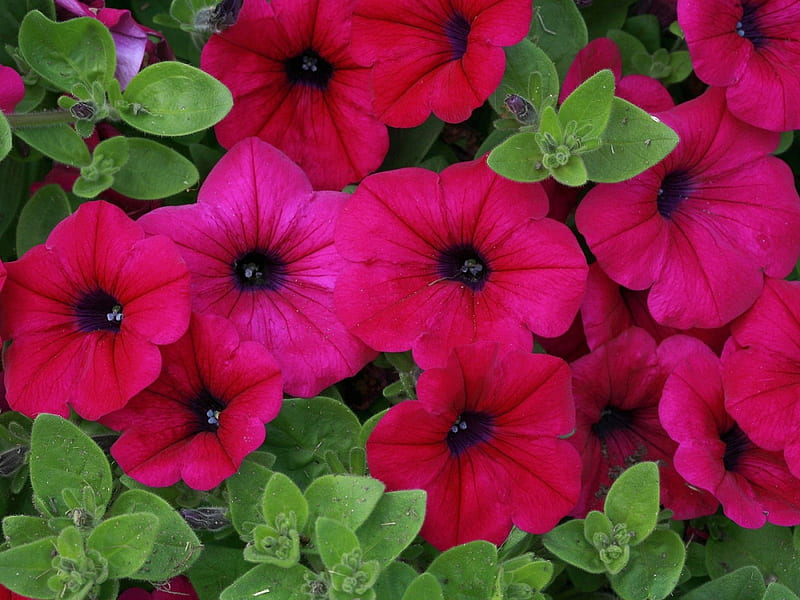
x,y
304,431
410,145
572,174
5,137
25,569
171,98
634,500
282,496
334,539
218,567
653,569
645,28
392,525
742,584
777,591
246,493
108,158
153,171
536,574
17,177
629,47
633,141
76,51
522,61
519,158
466,572
425,586
680,67
64,458
69,543
125,542
394,581
23,529
558,29
59,142
568,542
46,209
769,548
590,104
271,582
176,546
346,498
603,15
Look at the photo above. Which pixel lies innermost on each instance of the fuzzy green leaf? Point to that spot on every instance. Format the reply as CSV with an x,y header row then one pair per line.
x,y
392,525
334,539
653,569
59,142
346,498
125,542
46,209
522,61
271,582
153,171
425,586
558,29
282,496
568,542
25,569
634,500
466,572
519,158
745,583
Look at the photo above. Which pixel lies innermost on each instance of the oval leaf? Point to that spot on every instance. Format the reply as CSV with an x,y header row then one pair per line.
x,y
653,569
153,171
25,569
75,51
5,137
269,581
522,60
171,98
125,542
558,29
46,209
282,496
425,586
590,104
568,542
60,142
634,500
346,498
742,584
393,525
333,539
518,158
468,571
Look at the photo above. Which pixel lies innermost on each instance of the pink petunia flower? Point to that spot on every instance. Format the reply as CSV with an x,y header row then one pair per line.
x,y
12,89
602,53
702,226
259,245
437,261
761,371
87,312
296,86
483,441
446,57
617,389
752,49
6,594
204,414
753,485
177,588
132,41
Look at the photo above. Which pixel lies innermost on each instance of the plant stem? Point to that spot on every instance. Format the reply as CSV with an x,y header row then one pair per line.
x,y
39,119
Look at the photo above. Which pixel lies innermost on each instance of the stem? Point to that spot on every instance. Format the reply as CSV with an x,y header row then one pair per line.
x,y
39,119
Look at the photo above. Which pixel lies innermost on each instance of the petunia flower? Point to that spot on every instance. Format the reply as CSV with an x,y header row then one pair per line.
x,y
204,413
602,53
259,245
437,261
12,89
296,86
761,371
483,440
6,594
87,312
177,588
753,485
751,48
617,389
446,57
704,225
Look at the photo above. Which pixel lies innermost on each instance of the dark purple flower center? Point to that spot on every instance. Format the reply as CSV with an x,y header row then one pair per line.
x,y
206,409
748,26
736,444
98,311
466,264
456,28
612,419
675,188
259,269
469,429
310,69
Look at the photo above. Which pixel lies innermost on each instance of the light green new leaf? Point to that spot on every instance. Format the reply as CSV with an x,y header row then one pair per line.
x,y
519,158
125,542
653,569
568,542
466,572
282,496
590,104
333,539
346,498
634,500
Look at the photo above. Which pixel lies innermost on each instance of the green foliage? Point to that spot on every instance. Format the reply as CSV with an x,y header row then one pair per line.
x,y
392,525
46,208
26,569
125,542
152,171
745,583
466,572
558,29
59,142
346,498
5,137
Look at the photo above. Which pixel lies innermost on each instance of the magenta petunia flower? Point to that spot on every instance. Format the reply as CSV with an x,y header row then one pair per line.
x,y
483,441
438,261
761,371
87,312
753,485
296,86
177,588
259,245
602,53
204,414
703,225
446,57
12,89
760,43
617,388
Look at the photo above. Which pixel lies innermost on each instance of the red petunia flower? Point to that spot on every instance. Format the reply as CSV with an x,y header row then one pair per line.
x,y
446,57
438,261
259,245
483,441
6,594
617,388
87,312
12,89
761,371
753,485
602,53
204,414
295,85
760,43
177,588
702,226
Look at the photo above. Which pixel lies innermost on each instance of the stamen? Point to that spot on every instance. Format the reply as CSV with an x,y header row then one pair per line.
x,y
213,416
